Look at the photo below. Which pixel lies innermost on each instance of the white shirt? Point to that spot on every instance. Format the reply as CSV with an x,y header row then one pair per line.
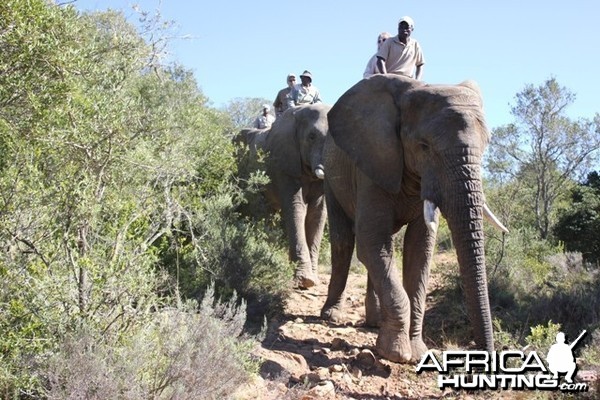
x,y
264,121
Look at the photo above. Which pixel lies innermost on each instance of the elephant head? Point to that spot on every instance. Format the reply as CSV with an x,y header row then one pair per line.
x,y
296,141
426,141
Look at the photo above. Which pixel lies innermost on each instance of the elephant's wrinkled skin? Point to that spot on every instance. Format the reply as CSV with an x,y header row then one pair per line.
x,y
293,149
395,145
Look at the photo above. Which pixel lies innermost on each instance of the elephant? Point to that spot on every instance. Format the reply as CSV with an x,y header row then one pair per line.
x,y
293,161
399,153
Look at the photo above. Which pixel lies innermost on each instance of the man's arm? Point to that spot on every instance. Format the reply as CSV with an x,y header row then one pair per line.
x,y
277,103
381,65
419,72
317,97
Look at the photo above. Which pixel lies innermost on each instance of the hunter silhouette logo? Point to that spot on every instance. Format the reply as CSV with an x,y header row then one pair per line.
x,y
560,357
510,369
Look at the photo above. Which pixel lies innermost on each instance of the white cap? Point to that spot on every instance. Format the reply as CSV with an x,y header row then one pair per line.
x,y
408,20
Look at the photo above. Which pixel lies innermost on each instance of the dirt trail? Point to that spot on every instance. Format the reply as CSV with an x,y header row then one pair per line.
x,y
307,358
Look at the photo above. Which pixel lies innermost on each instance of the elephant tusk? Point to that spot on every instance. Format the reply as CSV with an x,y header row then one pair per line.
x,y
320,173
430,216
493,219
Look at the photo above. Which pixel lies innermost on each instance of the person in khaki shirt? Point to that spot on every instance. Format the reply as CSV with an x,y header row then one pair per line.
x,y
282,100
401,54
305,92
264,120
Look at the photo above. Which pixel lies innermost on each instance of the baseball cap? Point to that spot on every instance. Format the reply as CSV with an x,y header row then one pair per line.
x,y
408,20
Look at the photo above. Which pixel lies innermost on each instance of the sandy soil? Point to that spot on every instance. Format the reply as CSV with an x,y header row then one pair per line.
x,y
307,358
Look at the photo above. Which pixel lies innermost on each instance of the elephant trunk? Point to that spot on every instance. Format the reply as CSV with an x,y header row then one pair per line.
x,y
465,219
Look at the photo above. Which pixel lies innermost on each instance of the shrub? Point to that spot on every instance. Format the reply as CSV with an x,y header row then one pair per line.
x,y
185,352
542,337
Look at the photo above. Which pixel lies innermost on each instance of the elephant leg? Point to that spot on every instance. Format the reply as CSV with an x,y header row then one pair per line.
x,y
375,250
372,306
315,223
294,211
341,238
419,243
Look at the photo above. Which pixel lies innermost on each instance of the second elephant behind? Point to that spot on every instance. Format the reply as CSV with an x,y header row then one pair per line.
x,y
294,163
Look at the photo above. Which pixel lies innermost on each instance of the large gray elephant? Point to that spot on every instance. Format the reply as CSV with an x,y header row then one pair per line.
x,y
399,152
293,150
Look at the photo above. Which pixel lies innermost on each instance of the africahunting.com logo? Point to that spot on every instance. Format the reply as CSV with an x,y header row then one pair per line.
x,y
513,369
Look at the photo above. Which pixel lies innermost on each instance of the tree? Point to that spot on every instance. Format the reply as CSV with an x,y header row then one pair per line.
x,y
113,172
578,225
543,151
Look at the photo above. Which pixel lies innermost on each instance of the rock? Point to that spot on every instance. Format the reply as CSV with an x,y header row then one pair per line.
x,y
366,359
353,352
324,390
251,389
336,368
322,372
282,364
356,372
338,344
311,377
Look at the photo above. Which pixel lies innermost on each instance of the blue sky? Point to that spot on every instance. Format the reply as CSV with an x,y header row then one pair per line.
x,y
246,48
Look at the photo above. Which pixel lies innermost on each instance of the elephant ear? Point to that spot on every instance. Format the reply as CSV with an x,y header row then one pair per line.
x,y
283,143
471,85
365,123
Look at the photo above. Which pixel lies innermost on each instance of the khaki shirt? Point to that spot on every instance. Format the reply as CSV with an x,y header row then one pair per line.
x,y
282,100
304,95
401,59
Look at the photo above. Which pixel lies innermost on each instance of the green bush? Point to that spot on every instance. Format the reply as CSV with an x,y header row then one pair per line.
x,y
542,337
579,222
114,171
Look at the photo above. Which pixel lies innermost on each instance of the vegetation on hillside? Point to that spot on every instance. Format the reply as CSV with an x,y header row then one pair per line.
x,y
117,212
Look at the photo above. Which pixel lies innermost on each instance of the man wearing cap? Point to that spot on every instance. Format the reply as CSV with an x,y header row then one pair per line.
x,y
401,54
282,100
265,120
305,92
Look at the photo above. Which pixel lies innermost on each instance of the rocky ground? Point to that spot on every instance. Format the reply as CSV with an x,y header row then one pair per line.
x,y
307,358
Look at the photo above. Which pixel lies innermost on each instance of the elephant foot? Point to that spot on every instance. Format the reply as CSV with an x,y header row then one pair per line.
x,y
393,345
302,281
418,348
333,314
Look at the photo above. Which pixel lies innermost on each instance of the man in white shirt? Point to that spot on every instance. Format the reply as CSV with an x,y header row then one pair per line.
x,y
305,92
265,120
401,55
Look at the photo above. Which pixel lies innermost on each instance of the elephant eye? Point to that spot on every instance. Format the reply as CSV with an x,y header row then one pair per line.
x,y
312,136
424,146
